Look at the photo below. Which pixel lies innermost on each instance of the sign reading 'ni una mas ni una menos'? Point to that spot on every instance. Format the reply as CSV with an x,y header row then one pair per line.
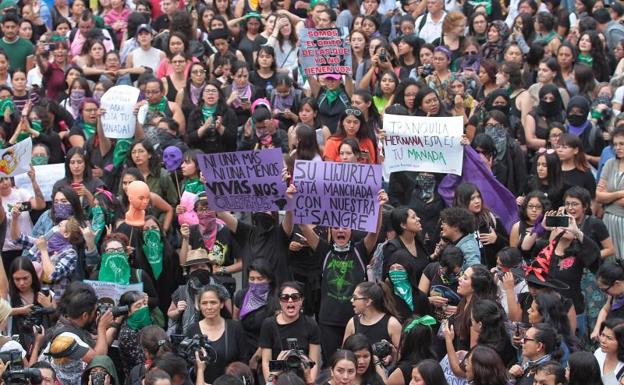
x,y
244,180
337,194
324,51
427,144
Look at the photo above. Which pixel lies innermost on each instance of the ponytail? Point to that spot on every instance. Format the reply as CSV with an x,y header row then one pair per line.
x,y
381,296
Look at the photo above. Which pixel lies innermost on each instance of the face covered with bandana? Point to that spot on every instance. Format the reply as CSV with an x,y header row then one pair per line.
x,y
401,285
153,246
426,183
61,208
114,267
549,101
39,156
139,316
577,115
207,221
498,133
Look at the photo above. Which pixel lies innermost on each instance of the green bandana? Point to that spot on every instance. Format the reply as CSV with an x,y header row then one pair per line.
x,y
425,320
153,250
486,4
160,106
194,185
402,287
88,129
115,268
140,319
35,124
98,222
208,111
121,151
7,103
38,160
587,59
332,95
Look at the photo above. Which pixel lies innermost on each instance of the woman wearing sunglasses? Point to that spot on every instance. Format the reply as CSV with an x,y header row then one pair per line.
x,y
351,125
290,324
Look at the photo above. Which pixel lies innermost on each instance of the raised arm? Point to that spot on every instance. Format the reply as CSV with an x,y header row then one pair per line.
x,y
370,240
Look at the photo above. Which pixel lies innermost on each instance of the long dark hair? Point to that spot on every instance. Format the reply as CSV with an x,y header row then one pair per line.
x,y
551,309
463,194
554,176
483,287
543,199
431,372
416,343
487,365
74,201
400,92
584,369
154,161
362,132
307,146
187,102
25,264
381,296
493,332
358,342
86,174
573,141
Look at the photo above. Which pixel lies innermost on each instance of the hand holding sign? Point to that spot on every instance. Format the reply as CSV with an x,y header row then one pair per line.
x,y
119,104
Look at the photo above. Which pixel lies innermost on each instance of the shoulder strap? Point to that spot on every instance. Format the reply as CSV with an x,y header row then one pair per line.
x,y
620,373
359,258
72,35
422,23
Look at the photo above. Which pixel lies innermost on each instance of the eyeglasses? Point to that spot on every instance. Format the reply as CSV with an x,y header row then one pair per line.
x,y
534,207
211,91
544,150
287,297
524,339
354,298
114,250
353,111
198,72
606,289
571,204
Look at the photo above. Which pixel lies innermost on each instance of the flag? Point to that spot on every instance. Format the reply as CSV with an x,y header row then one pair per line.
x,y
15,160
494,194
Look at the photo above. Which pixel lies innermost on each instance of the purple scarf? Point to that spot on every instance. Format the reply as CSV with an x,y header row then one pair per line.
x,y
282,103
500,200
196,93
241,91
57,243
578,131
255,298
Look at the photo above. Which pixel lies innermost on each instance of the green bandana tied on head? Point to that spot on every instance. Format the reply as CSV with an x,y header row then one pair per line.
x,y
140,319
485,3
332,95
88,129
402,287
208,111
194,185
115,268
160,106
153,250
98,222
121,151
425,320
587,59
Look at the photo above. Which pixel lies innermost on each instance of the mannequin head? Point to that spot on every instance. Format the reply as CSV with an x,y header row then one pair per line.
x,y
138,197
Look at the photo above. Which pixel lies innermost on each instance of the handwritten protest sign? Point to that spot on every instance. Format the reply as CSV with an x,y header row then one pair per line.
x,y
337,194
111,290
119,121
15,160
46,175
416,143
244,180
324,51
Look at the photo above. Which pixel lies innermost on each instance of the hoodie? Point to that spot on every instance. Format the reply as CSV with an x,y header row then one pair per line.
x,y
100,362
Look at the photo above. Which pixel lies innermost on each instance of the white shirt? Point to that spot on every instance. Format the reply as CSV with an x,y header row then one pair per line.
x,y
608,378
17,195
431,30
520,287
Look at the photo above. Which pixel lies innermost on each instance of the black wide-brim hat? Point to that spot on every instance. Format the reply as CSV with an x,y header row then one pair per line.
x,y
534,280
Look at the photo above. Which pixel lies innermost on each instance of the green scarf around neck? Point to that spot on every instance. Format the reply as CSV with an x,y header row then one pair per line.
x,y
208,111
332,95
160,106
115,268
194,185
587,59
88,129
402,287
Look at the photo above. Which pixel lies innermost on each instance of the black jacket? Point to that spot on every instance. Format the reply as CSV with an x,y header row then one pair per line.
x,y
213,142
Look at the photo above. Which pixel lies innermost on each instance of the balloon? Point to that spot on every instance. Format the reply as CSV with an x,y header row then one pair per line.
x,y
172,157
138,197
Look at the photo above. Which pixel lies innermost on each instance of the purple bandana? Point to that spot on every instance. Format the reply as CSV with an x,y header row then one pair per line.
x,y
255,298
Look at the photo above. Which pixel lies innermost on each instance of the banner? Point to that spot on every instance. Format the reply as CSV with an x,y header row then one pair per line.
x,y
111,290
46,175
417,143
324,51
15,160
119,122
337,194
244,180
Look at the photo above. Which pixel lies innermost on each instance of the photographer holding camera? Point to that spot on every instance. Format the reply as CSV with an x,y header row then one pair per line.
x,y
79,316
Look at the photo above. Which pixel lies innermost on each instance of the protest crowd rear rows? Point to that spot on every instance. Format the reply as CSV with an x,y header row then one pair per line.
x,y
323,192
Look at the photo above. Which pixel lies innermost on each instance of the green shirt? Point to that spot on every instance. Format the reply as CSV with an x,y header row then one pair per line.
x,y
17,52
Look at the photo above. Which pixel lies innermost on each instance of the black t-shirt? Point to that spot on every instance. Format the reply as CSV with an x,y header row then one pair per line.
x,y
229,347
252,322
595,229
432,271
576,177
341,274
270,244
273,335
225,249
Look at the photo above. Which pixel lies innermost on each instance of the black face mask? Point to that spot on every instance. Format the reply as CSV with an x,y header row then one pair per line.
x,y
262,220
504,109
549,108
577,120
